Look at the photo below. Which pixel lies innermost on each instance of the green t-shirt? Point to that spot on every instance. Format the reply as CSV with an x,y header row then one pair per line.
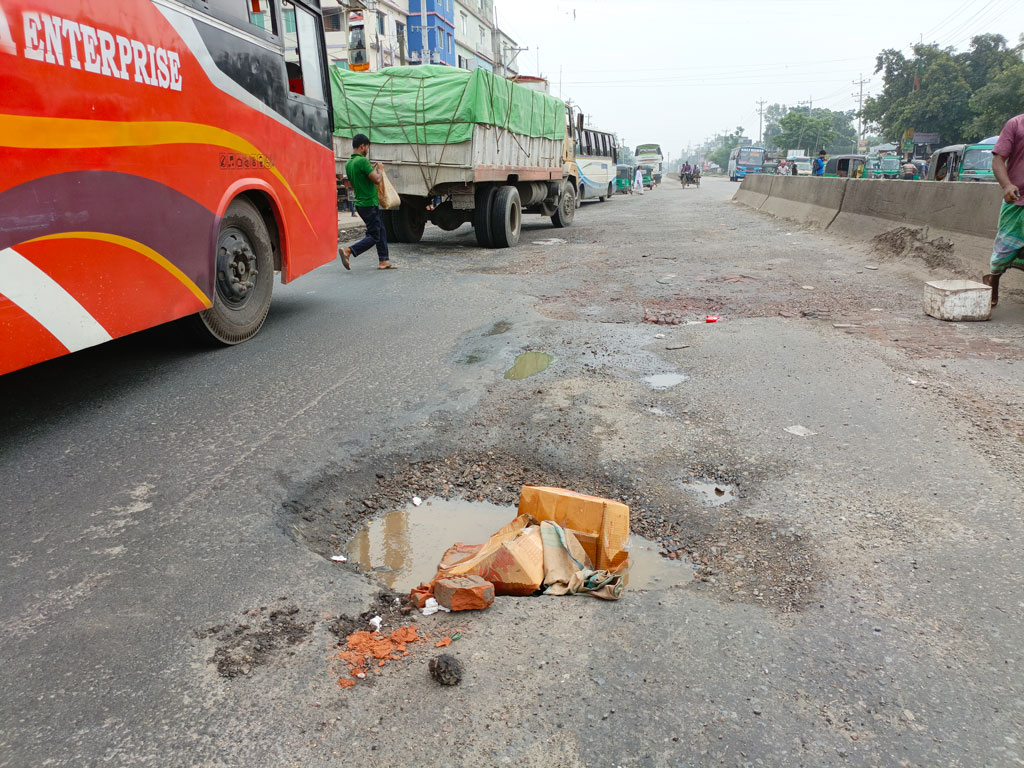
x,y
358,170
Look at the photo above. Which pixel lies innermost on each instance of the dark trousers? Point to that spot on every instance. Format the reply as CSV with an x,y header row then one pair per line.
x,y
375,234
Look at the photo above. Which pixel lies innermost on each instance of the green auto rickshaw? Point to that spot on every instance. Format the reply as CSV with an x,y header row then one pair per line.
x,y
624,177
648,176
977,162
846,166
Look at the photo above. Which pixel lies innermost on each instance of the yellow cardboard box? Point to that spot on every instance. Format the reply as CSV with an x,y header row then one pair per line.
x,y
601,525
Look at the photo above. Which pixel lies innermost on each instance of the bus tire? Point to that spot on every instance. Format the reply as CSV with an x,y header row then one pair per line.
x,y
482,216
506,217
408,227
244,280
566,210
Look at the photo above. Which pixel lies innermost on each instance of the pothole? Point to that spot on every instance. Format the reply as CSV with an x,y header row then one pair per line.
x,y
528,364
710,492
402,548
664,380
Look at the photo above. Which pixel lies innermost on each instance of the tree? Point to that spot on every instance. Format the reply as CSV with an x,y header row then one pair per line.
x,y
800,130
726,144
931,91
999,99
772,116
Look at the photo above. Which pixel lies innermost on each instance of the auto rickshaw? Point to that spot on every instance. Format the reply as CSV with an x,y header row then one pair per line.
x,y
977,163
846,166
624,176
648,175
945,163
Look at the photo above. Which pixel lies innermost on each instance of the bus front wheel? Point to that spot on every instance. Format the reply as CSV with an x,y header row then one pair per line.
x,y
245,277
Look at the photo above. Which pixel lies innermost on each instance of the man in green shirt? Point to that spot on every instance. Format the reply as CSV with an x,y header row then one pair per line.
x,y
365,178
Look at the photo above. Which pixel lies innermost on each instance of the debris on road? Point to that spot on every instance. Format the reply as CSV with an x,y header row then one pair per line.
x,y
799,431
712,319
416,501
363,649
464,593
339,558
561,543
431,606
446,669
375,622
679,346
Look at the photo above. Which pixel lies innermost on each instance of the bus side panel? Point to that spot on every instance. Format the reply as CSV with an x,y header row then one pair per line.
x,y
118,140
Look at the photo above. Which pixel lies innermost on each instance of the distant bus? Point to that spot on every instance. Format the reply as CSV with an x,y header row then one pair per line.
x,y
743,160
650,154
596,158
160,160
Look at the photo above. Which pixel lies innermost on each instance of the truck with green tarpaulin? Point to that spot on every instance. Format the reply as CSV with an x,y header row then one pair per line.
x,y
459,147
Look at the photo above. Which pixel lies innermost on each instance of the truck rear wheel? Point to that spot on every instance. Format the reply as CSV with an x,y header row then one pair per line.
x,y
407,225
566,210
482,216
506,217
389,226
244,280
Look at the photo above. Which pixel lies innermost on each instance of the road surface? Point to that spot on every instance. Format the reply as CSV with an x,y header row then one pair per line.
x,y
168,512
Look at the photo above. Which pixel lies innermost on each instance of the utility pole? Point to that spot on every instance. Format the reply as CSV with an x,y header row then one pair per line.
x,y
809,104
760,120
860,107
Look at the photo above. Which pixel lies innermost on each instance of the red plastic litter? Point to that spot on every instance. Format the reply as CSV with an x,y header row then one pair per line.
x,y
712,318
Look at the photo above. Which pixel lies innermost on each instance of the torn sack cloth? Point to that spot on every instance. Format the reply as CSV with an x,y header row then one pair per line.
x,y
568,570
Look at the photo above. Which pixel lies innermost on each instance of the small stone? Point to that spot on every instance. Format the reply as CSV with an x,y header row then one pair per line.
x,y
446,669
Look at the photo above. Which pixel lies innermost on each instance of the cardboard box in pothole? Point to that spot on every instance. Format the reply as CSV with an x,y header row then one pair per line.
x,y
561,543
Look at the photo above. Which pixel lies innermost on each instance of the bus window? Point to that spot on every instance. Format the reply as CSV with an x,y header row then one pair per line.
x,y
261,15
302,52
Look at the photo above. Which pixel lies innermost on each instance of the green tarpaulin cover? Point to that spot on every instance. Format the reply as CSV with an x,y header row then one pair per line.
x,y
433,104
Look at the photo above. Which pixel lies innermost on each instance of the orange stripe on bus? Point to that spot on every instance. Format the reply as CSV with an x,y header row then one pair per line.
x,y
27,132
136,246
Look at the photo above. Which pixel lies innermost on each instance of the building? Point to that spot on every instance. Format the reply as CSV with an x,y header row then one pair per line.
x,y
474,33
381,26
437,18
373,34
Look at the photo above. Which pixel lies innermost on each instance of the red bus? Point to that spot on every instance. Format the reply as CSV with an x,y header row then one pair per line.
x,y
158,159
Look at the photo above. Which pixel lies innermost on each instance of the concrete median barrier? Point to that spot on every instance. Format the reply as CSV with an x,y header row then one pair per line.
x,y
950,226
947,224
754,190
805,199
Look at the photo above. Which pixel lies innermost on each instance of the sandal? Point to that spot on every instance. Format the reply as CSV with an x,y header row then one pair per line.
x,y
345,254
386,265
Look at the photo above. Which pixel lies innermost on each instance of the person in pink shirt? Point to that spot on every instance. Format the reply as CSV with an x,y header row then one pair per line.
x,y
1008,168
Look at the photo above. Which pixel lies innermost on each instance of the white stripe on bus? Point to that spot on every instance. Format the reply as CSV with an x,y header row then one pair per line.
x,y
44,299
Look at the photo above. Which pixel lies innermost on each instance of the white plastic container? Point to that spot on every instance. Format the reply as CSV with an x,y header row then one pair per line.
x,y
958,300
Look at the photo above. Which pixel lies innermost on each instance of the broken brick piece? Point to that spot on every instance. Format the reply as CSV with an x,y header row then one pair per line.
x,y
443,643
464,593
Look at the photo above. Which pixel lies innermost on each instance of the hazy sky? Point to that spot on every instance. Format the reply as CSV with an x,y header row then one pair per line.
x,y
676,72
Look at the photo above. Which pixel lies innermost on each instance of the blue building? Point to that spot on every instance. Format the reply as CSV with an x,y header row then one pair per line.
x,y
437,19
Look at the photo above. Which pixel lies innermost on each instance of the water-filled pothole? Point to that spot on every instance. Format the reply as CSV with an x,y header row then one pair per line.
x,y
403,547
664,380
710,492
528,364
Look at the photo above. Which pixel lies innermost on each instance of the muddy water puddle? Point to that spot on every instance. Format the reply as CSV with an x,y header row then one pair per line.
x,y
528,364
664,380
403,547
710,492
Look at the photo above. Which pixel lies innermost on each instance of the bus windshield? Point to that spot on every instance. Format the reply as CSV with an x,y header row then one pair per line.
x,y
890,163
750,156
977,159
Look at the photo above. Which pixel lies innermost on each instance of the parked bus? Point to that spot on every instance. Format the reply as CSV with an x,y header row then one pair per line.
x,y
161,159
596,160
743,160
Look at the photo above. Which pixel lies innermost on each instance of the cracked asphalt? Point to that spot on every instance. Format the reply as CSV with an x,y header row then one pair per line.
x,y
168,513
